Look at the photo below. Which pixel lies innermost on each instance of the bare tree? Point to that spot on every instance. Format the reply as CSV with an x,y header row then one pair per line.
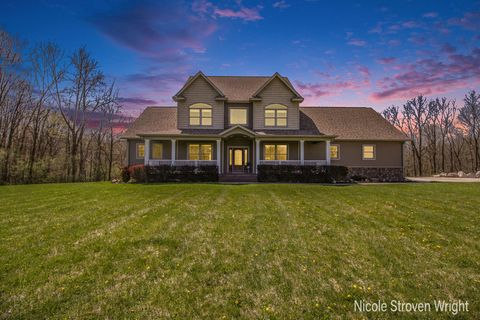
x,y
469,116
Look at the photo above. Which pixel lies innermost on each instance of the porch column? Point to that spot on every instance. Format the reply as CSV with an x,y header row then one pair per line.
x,y
327,151
219,147
257,154
302,152
173,155
146,151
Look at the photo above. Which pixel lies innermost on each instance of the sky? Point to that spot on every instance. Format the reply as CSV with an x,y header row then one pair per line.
x,y
336,53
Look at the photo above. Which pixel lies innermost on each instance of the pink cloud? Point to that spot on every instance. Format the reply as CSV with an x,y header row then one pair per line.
x,y
429,76
470,21
364,71
160,33
247,14
316,90
387,60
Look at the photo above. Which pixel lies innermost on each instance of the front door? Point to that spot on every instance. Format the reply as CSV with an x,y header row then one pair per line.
x,y
238,159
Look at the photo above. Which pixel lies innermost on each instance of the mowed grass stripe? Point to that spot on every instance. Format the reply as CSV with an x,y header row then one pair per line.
x,y
206,251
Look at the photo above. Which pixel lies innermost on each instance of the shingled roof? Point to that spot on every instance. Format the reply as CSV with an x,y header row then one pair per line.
x,y
346,123
237,88
350,123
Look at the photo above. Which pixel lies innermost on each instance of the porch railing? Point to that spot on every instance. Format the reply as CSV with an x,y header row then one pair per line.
x,y
295,162
194,163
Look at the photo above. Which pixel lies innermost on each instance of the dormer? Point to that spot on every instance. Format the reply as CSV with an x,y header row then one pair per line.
x,y
200,104
276,105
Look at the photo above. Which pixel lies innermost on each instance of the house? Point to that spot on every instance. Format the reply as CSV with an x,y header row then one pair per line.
x,y
239,122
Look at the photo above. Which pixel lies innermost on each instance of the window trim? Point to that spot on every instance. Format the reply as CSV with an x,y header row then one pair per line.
x,y
374,151
136,150
338,151
275,107
200,151
275,154
230,117
200,106
151,150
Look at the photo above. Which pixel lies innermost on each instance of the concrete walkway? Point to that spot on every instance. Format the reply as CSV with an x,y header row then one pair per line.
x,y
441,179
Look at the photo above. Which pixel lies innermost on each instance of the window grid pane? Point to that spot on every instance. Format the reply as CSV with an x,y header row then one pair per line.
x,y
269,152
140,150
238,116
333,152
206,152
193,151
281,152
157,151
369,152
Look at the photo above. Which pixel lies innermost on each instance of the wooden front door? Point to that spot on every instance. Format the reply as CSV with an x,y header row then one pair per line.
x,y
238,159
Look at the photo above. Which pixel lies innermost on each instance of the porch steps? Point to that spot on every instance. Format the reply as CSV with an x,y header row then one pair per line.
x,y
238,178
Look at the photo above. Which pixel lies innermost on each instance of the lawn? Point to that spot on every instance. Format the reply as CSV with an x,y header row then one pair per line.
x,y
208,251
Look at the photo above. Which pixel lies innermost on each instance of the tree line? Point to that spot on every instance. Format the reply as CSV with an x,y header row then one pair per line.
x,y
58,115
444,136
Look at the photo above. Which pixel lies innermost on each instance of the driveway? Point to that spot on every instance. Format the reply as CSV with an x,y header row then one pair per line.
x,y
441,179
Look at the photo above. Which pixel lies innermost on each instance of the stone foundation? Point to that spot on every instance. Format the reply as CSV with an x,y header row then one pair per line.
x,y
376,174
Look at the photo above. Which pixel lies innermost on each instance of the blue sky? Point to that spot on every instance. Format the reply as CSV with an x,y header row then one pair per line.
x,y
346,53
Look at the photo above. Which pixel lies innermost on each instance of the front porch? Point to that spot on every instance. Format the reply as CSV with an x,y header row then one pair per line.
x,y
236,153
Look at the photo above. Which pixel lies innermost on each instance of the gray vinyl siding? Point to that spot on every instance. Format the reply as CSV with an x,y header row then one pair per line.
x,y
314,150
276,92
293,149
200,91
132,152
387,154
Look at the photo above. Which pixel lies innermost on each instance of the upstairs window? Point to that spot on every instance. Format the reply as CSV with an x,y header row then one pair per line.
x,y
238,116
200,114
275,115
368,152
275,152
199,151
334,152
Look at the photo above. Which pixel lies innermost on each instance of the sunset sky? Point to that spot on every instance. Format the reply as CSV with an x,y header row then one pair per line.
x,y
345,53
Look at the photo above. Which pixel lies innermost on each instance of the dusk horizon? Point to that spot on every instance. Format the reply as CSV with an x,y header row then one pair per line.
x,y
330,52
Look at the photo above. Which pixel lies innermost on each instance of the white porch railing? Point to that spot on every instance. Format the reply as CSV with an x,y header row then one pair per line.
x,y
281,162
194,163
295,162
315,162
159,162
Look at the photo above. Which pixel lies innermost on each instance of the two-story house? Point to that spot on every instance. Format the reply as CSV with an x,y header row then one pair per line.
x,y
239,122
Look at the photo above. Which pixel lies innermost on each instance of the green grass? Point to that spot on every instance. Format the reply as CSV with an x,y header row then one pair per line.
x,y
98,250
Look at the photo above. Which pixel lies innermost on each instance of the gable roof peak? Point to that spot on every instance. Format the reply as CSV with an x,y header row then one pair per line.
x,y
178,95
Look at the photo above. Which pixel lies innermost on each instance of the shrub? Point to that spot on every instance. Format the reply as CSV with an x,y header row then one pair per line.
x,y
167,173
309,174
137,172
125,174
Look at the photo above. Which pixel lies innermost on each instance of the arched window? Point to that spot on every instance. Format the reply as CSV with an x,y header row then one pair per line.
x,y
275,115
200,114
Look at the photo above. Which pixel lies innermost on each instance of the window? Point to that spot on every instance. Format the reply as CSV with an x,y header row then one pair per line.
x,y
368,152
157,150
334,152
275,115
140,150
200,114
238,116
275,152
199,152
